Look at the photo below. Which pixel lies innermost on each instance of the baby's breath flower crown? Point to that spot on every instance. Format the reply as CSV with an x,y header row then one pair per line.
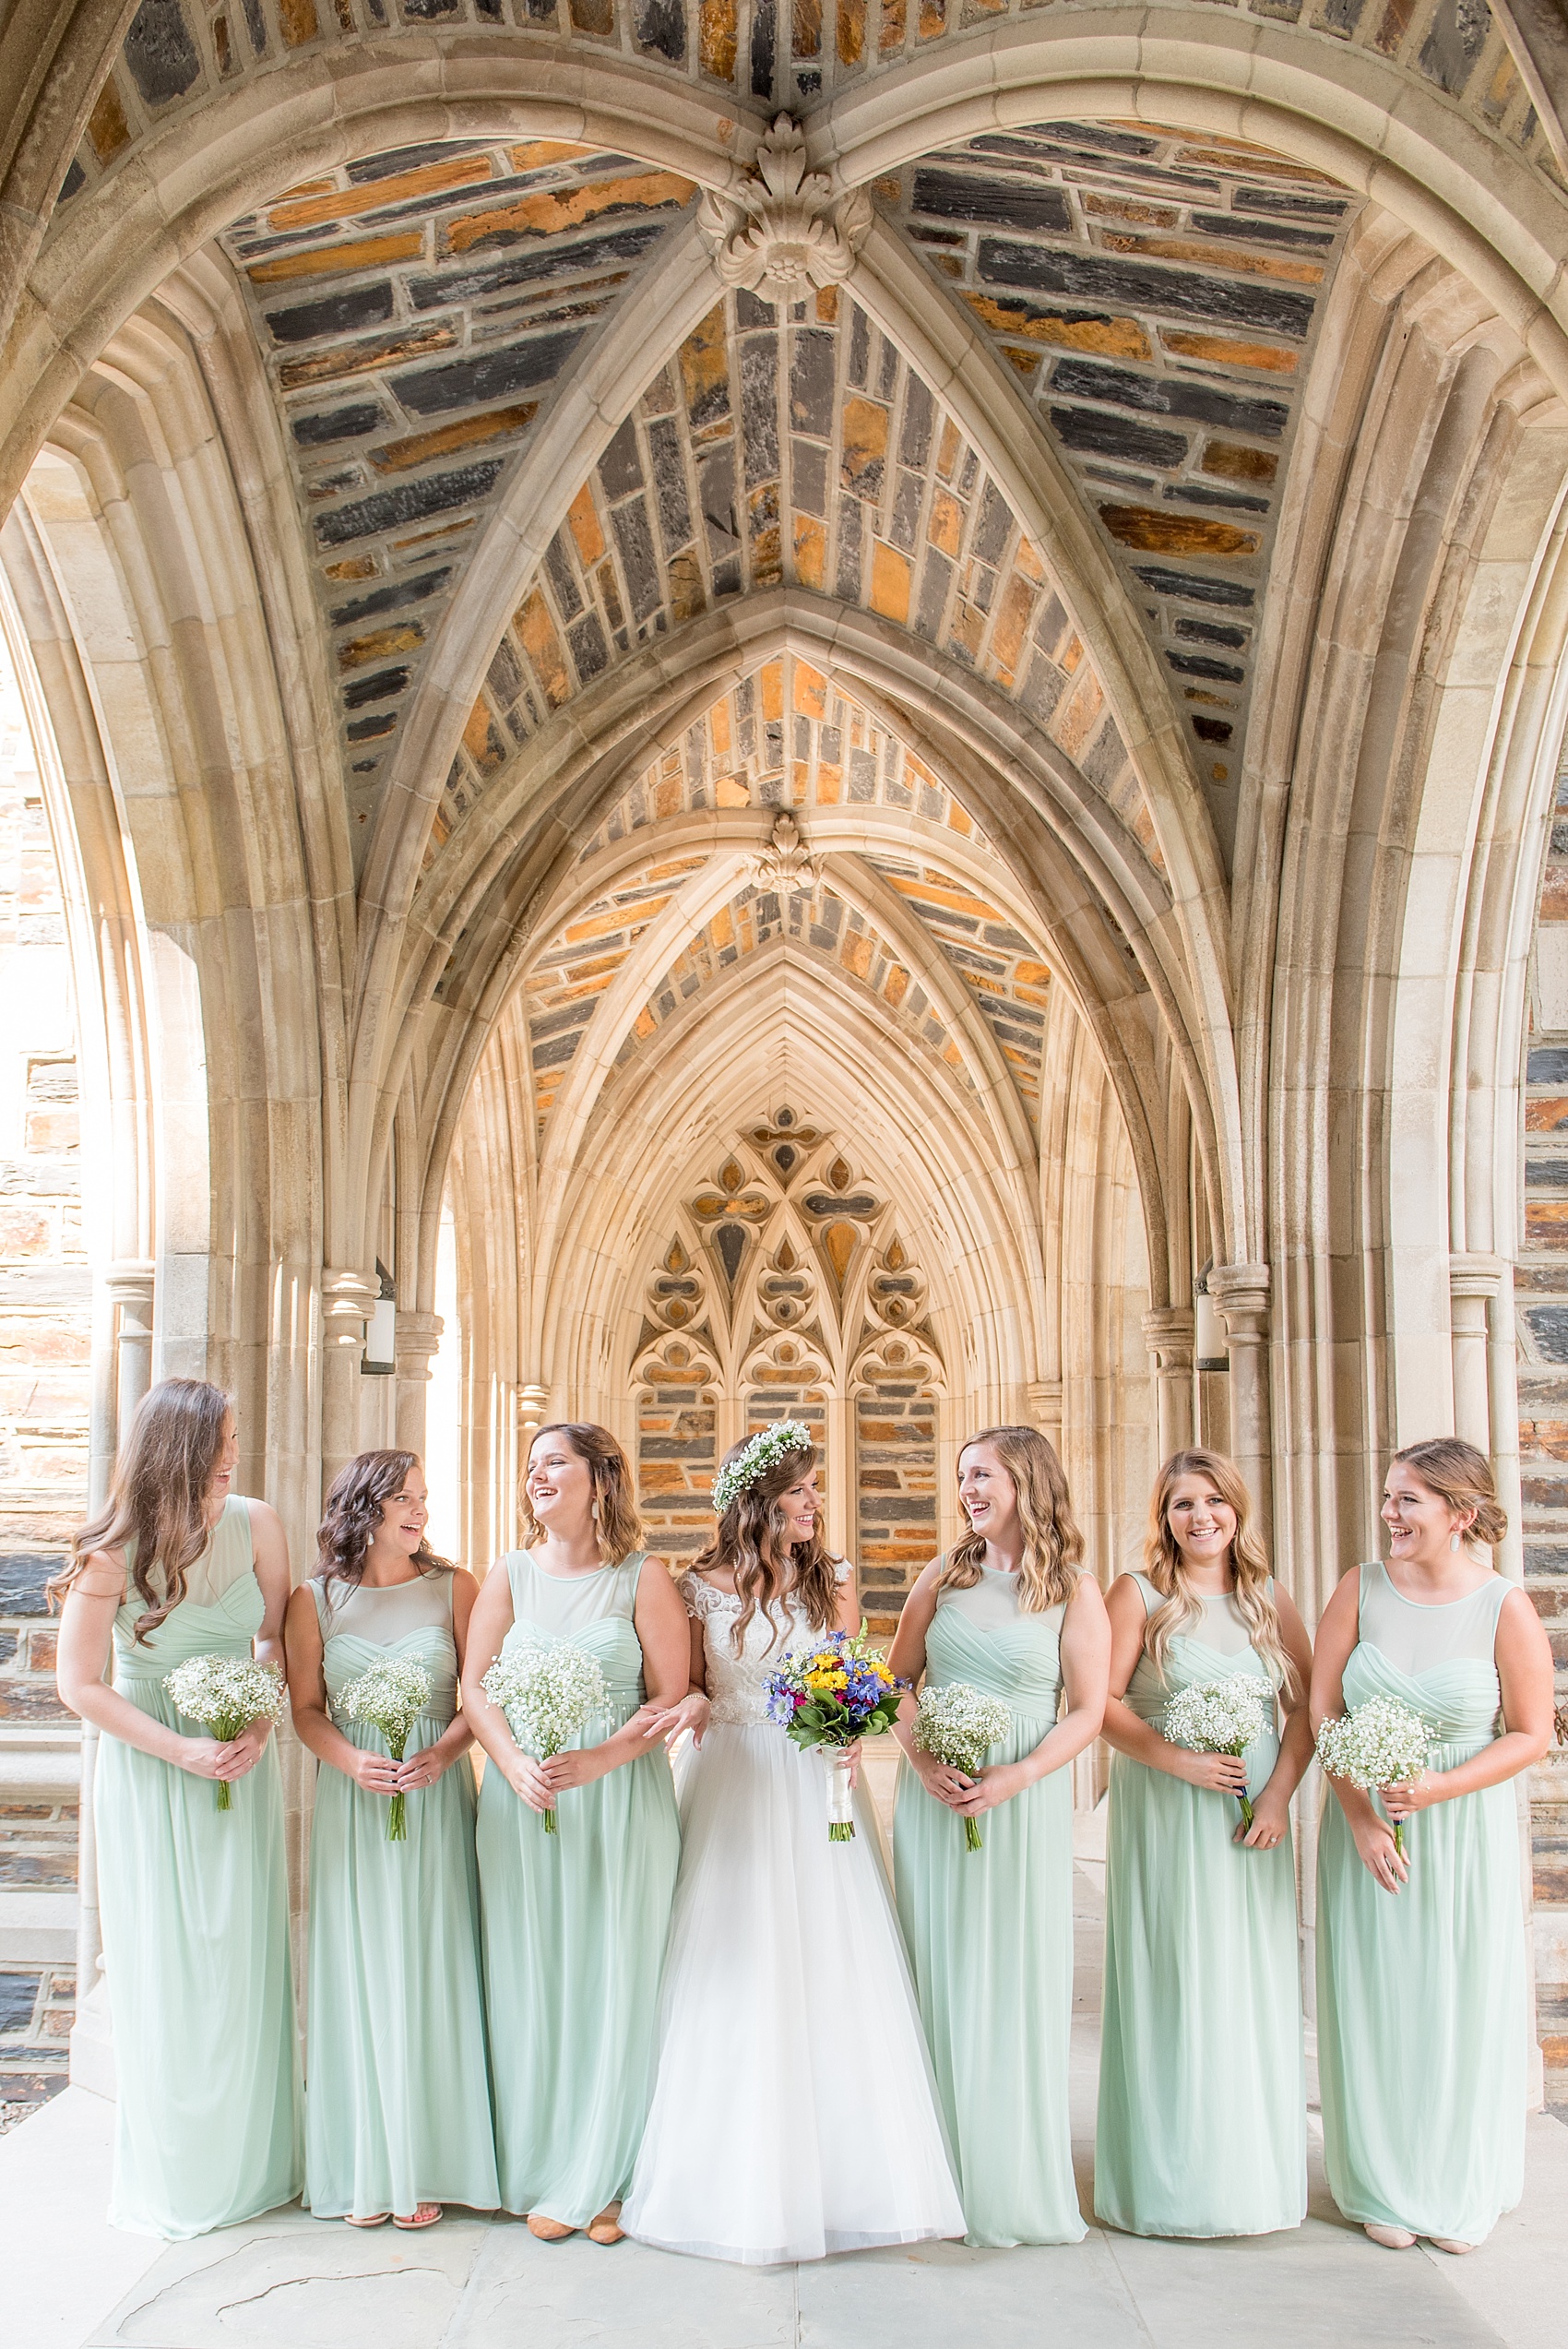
x,y
764,1452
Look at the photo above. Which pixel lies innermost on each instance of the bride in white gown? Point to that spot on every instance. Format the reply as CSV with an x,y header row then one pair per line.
x,y
793,2112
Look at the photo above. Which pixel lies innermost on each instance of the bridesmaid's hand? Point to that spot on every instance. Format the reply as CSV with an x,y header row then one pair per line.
x,y
376,1773
996,1784
940,1778
578,1766
420,1770
1220,1774
1271,1825
691,1713
526,1779
1413,1794
248,1747
1383,1864
210,1757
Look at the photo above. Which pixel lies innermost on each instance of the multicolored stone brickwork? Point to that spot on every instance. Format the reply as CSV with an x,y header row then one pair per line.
x,y
1541,1287
791,446
895,1490
179,56
1157,295
415,311
994,960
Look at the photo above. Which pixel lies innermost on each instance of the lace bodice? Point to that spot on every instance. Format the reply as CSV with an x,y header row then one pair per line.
x,y
736,1683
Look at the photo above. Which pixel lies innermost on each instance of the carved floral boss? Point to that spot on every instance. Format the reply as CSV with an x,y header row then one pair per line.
x,y
782,229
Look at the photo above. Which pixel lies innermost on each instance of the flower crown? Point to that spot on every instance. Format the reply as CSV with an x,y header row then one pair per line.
x,y
762,1452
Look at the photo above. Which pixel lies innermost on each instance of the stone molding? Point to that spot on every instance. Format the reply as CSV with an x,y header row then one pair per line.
x,y
786,865
347,1299
1169,1333
419,1338
783,229
1241,1293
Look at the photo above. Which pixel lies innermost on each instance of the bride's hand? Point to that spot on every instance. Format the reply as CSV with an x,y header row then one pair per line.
x,y
691,1713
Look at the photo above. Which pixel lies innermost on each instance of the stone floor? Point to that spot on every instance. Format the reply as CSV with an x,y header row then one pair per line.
x,y
70,2282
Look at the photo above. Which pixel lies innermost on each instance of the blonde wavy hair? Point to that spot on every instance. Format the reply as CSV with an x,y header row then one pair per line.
x,y
1462,1477
618,1525
1053,1547
1183,1608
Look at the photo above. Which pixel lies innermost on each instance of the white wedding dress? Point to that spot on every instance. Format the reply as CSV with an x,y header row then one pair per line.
x,y
793,2112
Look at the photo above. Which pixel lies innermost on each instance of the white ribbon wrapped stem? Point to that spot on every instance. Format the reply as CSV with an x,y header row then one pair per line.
x,y
840,1791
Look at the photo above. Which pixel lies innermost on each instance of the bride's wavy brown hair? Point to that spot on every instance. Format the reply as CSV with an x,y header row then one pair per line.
x,y
748,1542
1053,1547
1249,1561
159,1497
353,1511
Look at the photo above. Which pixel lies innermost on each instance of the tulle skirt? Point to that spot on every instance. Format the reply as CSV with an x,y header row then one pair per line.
x,y
794,2112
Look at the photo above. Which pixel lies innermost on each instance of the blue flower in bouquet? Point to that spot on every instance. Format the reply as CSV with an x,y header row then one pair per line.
x,y
833,1695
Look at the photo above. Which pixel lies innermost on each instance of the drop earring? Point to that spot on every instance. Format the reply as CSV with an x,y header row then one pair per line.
x,y
1454,1541
596,1519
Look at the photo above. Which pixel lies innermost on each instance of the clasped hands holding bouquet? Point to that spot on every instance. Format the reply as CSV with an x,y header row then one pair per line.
x,y
226,1758
1227,1774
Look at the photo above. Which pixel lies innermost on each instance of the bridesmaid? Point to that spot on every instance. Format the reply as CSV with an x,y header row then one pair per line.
x,y
1201,2127
1420,1959
194,1901
574,1922
990,1933
399,2109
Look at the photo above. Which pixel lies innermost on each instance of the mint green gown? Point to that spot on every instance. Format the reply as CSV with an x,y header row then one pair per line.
x,y
990,1933
398,2110
195,1905
574,1922
1203,2119
1421,1993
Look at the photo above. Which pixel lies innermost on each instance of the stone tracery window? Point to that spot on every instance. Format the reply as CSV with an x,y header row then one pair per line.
x,y
782,1288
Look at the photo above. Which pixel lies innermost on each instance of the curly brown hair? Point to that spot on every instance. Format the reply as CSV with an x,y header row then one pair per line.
x,y
156,1511
747,1540
618,1526
359,1493
1053,1547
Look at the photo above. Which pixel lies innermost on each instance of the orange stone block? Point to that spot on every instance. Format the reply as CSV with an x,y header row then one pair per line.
x,y
946,528
1077,717
852,31
811,690
1553,904
806,16
829,786
895,23
1007,636
1163,533
891,578
380,644
107,128
1112,337
540,154
811,551
343,203
336,261
717,39
537,629
1227,351
1546,1222
773,689
1547,1116
482,741
1183,249
719,727
587,530
827,304
362,358
864,441
855,953
353,566
554,209
296,21
947,450
468,431
1233,464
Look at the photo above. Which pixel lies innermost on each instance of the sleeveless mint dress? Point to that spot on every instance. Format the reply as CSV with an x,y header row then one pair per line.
x,y
574,1922
195,1905
990,1933
399,2111
1202,2119
1421,1993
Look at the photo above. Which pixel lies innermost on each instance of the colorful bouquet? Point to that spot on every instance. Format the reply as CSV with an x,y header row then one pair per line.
x,y
225,1694
546,1693
960,1726
390,1697
834,1695
1381,1743
1221,1717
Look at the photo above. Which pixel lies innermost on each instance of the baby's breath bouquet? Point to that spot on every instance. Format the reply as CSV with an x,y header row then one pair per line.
x,y
960,1726
1221,1717
225,1694
390,1697
546,1693
834,1695
1381,1743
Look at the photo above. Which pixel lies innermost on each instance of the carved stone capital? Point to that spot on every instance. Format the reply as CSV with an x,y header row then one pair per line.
x,y
1241,1293
347,1299
419,1336
1168,1335
786,865
782,230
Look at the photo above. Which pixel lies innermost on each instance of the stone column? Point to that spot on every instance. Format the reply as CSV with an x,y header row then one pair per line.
x,y
347,1299
1241,1293
1169,1334
419,1336
128,1290
1045,1405
1473,1281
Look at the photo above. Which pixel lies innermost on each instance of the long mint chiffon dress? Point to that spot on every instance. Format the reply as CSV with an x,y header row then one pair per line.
x,y
1201,2124
990,1933
1421,1993
399,2111
574,1922
194,1905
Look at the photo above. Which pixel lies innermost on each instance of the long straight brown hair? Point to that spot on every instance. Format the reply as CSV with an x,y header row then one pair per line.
x,y
749,1541
158,1499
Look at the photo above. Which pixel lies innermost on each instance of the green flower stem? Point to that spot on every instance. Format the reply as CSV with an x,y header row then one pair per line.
x,y
972,1834
225,1800
1246,1802
1399,1837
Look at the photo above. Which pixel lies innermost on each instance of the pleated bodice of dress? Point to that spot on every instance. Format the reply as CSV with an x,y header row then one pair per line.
x,y
220,1616
982,1637
595,1612
1222,1648
362,1622
1437,1660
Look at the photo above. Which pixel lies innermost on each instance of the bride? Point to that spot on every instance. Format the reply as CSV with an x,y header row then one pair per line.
x,y
794,2112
